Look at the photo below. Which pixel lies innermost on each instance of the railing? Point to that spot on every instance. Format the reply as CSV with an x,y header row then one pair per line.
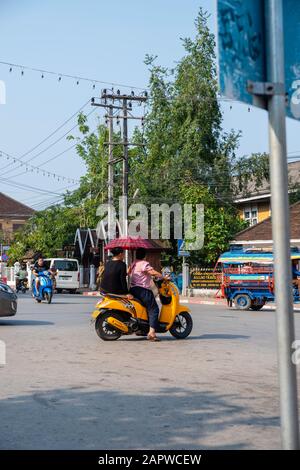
x,y
249,270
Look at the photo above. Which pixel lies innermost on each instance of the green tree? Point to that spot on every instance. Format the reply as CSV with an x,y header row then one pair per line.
x,y
220,222
46,232
183,126
189,159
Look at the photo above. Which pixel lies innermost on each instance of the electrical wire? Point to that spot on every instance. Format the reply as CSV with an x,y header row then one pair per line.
x,y
52,133
44,150
61,75
27,187
31,168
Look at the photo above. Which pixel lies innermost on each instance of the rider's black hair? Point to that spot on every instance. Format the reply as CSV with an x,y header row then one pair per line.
x,y
38,256
140,253
117,251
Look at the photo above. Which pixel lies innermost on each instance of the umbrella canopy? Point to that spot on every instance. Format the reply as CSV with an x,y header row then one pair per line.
x,y
131,243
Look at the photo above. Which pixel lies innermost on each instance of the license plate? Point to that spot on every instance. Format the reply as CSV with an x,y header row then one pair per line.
x,y
65,278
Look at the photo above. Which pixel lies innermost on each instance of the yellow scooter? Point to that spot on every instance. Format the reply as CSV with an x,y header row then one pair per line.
x,y
117,315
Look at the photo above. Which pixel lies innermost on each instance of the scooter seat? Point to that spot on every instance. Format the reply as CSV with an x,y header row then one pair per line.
x,y
113,296
123,297
138,301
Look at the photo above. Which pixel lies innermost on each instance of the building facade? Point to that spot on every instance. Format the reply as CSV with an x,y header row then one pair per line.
x,y
260,235
13,216
254,204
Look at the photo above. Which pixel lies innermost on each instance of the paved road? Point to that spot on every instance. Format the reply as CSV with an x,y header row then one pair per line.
x,y
63,387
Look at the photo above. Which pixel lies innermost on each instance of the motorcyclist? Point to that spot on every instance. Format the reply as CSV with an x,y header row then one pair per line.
x,y
39,266
141,277
21,276
113,279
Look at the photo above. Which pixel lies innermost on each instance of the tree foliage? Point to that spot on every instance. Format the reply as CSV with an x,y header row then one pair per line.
x,y
187,159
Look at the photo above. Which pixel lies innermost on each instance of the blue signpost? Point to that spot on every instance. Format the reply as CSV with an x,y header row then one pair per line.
x,y
241,41
242,51
259,59
181,251
185,267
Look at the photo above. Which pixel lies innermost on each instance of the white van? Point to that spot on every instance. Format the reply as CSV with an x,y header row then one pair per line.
x,y
67,273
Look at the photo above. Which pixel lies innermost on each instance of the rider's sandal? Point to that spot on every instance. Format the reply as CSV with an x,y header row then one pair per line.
x,y
152,338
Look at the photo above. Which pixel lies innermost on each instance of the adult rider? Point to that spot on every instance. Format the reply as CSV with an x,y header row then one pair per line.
x,y
39,266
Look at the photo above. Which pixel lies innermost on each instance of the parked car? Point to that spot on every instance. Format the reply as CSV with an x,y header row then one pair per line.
x,y
67,273
8,301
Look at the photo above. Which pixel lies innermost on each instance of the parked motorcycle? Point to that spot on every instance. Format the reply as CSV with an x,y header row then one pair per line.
x,y
116,315
22,286
45,289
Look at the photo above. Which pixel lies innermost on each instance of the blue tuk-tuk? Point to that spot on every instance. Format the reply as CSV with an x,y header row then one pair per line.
x,y
248,278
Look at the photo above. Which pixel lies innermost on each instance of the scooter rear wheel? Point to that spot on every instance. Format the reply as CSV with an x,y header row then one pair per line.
x,y
182,326
104,330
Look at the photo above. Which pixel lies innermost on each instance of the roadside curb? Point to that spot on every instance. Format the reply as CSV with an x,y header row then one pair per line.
x,y
201,301
196,301
223,302
91,294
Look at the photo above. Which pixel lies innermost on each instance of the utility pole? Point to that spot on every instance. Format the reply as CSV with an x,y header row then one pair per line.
x,y
281,225
110,183
125,168
110,171
124,104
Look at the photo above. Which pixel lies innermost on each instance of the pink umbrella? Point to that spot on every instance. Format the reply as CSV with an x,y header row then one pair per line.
x,y
131,243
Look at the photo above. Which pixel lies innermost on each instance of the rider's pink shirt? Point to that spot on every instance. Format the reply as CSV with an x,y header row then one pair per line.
x,y
140,274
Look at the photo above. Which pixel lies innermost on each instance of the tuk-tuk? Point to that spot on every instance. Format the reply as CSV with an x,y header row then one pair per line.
x,y
248,278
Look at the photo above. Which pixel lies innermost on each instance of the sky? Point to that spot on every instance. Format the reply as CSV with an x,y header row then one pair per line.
x,y
105,41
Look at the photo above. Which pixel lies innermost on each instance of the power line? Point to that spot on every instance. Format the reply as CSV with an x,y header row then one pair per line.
x,y
39,167
41,198
42,151
27,187
52,133
44,163
45,204
56,130
77,78
34,168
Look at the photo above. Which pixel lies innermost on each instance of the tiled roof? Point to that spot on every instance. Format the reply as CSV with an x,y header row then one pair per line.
x,y
9,207
264,188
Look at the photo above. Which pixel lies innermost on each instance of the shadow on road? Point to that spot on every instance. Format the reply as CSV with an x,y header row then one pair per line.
x,y
224,336
25,323
171,418
190,338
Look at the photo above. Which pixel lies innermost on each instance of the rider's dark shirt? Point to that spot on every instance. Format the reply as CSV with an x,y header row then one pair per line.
x,y
39,269
114,278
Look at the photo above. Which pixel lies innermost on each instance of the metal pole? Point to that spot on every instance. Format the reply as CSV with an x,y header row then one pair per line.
x,y
125,174
110,171
125,167
281,227
184,277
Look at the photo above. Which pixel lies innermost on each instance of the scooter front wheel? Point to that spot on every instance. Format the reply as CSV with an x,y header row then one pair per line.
x,y
182,326
104,330
48,297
